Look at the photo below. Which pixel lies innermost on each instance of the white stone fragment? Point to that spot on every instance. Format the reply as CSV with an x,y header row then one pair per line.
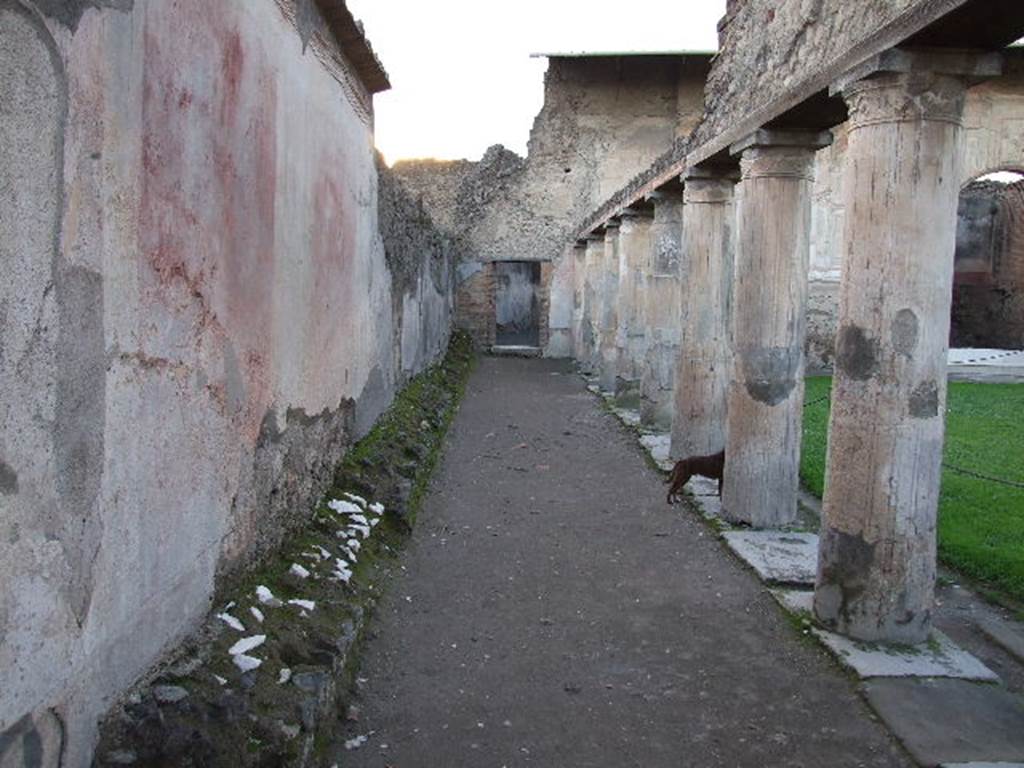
x,y
264,595
357,499
353,546
358,520
342,571
355,743
324,554
344,507
220,680
231,621
377,508
284,676
306,605
362,530
257,614
246,644
298,570
246,663
374,521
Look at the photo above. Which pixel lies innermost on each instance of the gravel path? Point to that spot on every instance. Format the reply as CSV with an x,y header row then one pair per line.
x,y
553,611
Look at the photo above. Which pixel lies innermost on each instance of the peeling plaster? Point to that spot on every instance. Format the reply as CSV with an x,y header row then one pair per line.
x,y
905,331
770,375
8,479
69,12
843,580
924,401
857,353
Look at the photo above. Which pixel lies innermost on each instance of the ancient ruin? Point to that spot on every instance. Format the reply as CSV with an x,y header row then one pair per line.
x,y
212,288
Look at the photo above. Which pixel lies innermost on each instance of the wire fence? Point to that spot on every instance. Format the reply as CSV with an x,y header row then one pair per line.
x,y
980,476
945,465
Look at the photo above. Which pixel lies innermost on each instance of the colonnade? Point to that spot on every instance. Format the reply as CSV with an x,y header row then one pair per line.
x,y
722,324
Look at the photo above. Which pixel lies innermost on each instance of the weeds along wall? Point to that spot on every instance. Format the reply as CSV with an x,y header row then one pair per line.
x,y
204,300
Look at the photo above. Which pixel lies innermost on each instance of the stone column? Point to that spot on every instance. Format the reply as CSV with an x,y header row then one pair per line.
x,y
876,569
578,254
593,274
766,389
631,337
702,365
609,353
660,310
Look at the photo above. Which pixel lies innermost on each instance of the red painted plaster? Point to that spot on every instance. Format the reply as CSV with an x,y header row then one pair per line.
x,y
209,170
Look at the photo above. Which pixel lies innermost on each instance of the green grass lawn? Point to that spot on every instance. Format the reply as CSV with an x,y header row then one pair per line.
x,y
981,523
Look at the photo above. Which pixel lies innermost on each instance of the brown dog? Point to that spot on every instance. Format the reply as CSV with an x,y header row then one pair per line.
x,y
712,466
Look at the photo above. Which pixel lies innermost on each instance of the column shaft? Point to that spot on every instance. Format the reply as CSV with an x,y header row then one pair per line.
x,y
631,335
660,312
578,254
702,365
876,569
593,274
766,390
608,367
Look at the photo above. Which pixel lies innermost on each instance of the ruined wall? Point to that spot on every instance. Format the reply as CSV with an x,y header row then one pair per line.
x,y
421,260
774,54
604,119
198,316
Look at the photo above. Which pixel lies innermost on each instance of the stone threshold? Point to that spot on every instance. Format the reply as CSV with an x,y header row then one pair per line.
x,y
512,350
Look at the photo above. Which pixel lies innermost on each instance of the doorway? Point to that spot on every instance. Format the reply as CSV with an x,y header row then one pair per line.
x,y
516,305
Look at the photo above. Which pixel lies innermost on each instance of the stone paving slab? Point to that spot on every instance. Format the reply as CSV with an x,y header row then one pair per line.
x,y
795,600
658,446
1005,635
943,722
628,416
940,658
778,557
705,492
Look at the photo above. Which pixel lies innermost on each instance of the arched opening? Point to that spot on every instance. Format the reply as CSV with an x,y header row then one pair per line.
x,y
988,279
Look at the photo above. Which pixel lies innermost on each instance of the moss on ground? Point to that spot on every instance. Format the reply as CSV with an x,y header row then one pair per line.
x,y
254,718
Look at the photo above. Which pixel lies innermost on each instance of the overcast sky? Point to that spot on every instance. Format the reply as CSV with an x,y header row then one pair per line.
x,y
461,74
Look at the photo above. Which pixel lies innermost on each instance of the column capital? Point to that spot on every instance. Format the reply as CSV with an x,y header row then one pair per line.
x,y
779,154
900,85
661,196
970,66
634,213
764,138
709,173
597,236
580,244
611,224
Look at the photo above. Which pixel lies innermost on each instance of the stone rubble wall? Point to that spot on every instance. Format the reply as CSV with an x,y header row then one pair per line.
x,y
603,120
204,302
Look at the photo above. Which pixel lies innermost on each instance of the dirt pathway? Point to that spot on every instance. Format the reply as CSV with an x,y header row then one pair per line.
x,y
553,611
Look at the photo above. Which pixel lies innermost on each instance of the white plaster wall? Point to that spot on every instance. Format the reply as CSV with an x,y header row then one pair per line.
x,y
188,224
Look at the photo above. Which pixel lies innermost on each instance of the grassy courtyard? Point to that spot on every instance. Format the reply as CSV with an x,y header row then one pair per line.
x,y
981,521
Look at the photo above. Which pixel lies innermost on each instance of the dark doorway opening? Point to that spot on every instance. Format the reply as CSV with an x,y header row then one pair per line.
x,y
516,305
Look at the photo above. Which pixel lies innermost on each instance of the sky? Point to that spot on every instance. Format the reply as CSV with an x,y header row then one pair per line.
x,y
461,74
